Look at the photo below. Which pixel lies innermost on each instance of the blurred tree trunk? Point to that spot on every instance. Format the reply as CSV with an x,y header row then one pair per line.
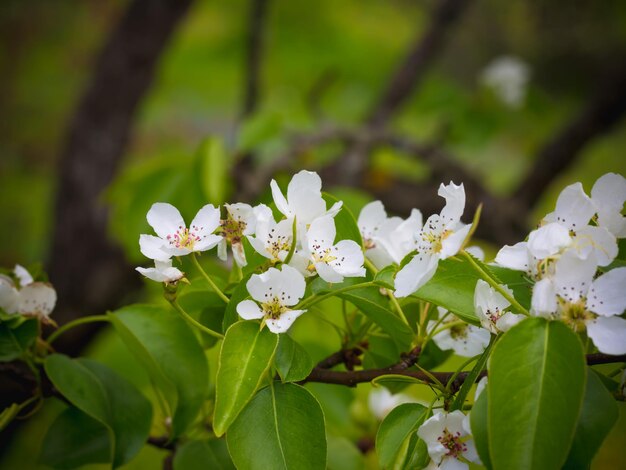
x,y
87,269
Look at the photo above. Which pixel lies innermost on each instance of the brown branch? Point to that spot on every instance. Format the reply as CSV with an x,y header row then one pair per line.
x,y
349,357
598,117
87,269
414,67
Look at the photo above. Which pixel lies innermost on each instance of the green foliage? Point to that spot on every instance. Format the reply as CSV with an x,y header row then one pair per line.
x,y
480,427
536,386
281,428
396,440
105,397
292,361
214,165
201,455
16,337
245,357
171,354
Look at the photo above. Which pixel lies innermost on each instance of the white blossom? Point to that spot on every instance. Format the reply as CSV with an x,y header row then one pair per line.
x,y
464,339
448,439
163,271
491,307
331,261
174,238
30,298
381,401
272,240
240,222
508,77
608,196
274,292
441,237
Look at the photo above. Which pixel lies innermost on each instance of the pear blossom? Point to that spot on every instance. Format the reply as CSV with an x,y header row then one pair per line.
x,y
464,339
441,237
272,240
594,306
304,200
174,237
608,196
386,239
381,401
30,298
508,77
331,261
449,442
491,307
240,221
274,292
163,271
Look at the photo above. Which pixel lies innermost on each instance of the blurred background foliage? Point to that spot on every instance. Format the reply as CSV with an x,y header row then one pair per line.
x,y
323,62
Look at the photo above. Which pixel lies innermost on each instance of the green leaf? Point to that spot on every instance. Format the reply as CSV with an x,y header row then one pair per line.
x,y
345,223
202,455
214,170
433,356
292,361
240,293
377,308
459,400
517,281
206,307
105,396
343,455
15,341
172,355
245,357
397,435
74,439
385,277
480,430
536,385
281,428
452,287
391,379
598,416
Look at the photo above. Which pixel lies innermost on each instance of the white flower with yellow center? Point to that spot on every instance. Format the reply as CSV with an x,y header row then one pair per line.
x,y
29,298
331,261
174,237
491,308
272,240
274,292
464,339
441,237
240,221
163,271
449,441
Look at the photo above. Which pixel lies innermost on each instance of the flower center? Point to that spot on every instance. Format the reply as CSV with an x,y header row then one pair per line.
x,y
453,443
232,229
320,255
575,314
458,331
432,241
273,308
276,244
183,238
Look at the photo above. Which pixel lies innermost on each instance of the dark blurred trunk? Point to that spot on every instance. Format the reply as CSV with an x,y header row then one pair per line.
x,y
88,269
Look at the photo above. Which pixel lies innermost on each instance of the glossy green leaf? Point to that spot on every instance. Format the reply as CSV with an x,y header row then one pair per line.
x,y
598,416
240,293
106,397
385,277
202,455
75,439
281,428
292,361
480,429
397,435
245,357
517,281
345,223
164,343
206,307
536,385
214,170
16,339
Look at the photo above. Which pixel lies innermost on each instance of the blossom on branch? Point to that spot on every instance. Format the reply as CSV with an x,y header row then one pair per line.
x,y
29,298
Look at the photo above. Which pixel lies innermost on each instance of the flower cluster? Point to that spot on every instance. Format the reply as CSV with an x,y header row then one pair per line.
x,y
569,259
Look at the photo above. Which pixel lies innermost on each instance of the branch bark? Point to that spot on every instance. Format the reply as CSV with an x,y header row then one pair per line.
x,y
87,269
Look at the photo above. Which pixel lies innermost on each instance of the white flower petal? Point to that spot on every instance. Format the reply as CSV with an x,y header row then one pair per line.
x,y
607,295
476,251
608,334
455,201
574,208
349,259
371,218
596,242
609,192
415,274
165,219
304,194
258,285
508,321
321,234
480,387
548,240
153,247
451,245
249,310
573,276
543,301
9,296
514,257
222,249
23,275
207,242
285,321
327,273
37,298
206,221
239,254
279,200
289,285
259,247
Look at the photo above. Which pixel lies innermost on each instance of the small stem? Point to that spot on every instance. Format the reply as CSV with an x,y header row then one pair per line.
x,y
396,304
314,299
474,226
369,265
492,282
460,369
447,326
194,322
79,321
437,323
209,280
